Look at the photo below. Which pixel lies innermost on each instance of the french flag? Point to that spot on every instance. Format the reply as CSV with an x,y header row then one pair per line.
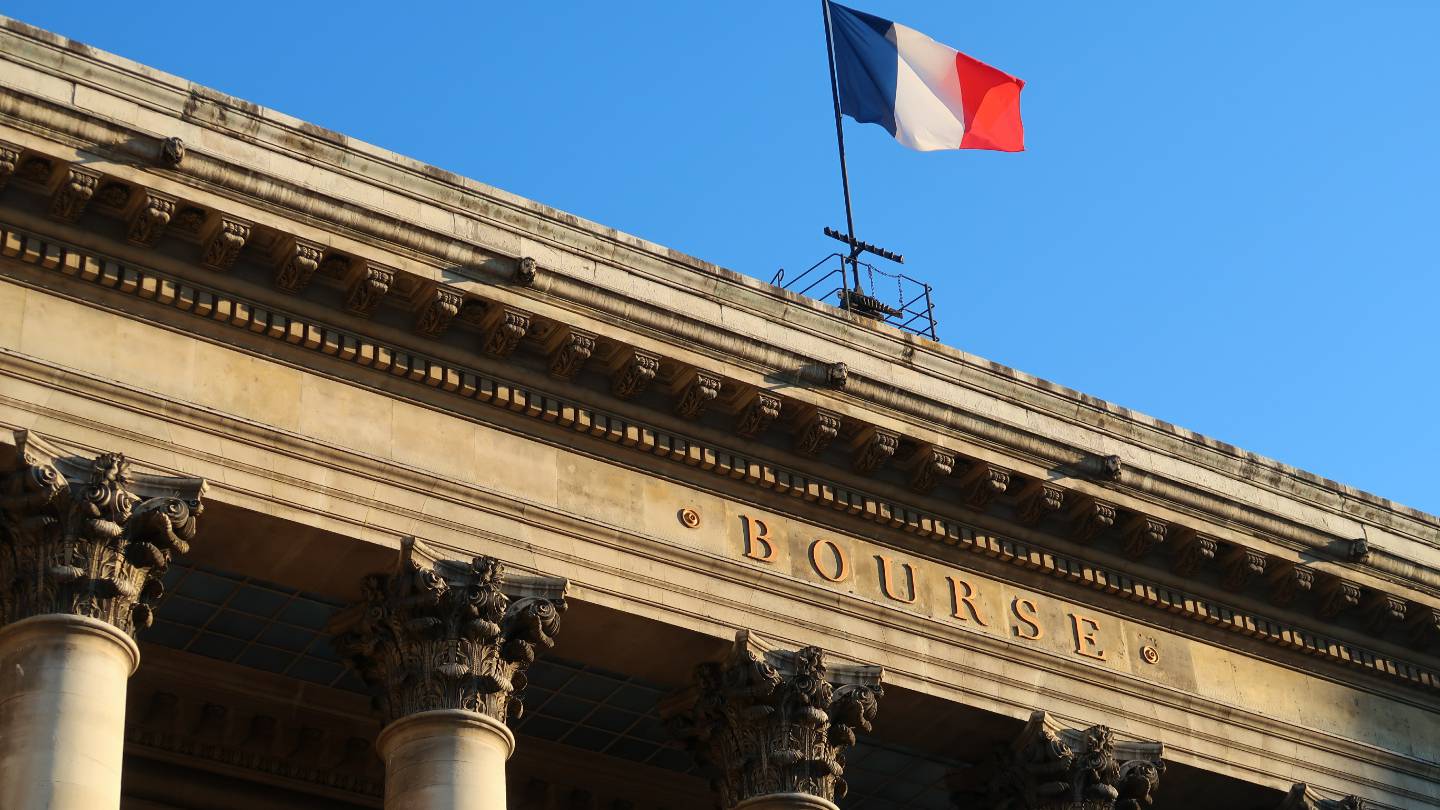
x,y
929,96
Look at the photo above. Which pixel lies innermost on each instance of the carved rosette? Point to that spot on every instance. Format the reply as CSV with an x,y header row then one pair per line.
x,y
768,721
702,389
443,635
70,199
87,537
1052,768
225,244
763,410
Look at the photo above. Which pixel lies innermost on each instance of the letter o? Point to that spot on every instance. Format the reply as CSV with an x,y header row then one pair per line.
x,y
842,565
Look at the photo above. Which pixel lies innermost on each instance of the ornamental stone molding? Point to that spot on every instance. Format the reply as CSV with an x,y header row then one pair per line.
x,y
762,411
571,349
767,721
149,221
1303,797
367,290
697,394
437,634
225,244
435,316
70,199
87,537
1050,767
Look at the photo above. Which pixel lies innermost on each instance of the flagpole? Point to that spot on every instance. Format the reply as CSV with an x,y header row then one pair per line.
x,y
840,141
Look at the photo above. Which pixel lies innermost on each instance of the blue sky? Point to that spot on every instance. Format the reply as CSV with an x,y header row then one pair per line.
x,y
1226,217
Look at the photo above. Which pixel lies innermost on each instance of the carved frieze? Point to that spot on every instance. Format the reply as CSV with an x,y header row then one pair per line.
x,y
35,169
434,318
87,536
1039,500
933,465
1048,767
367,290
767,721
9,161
74,193
225,244
296,261
1192,551
873,447
149,220
1241,564
1143,533
761,412
1302,797
702,389
444,635
112,195
634,373
816,431
1090,517
572,349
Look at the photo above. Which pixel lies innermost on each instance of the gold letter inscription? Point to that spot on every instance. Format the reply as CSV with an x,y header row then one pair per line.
x,y
960,594
1020,607
1085,642
885,584
842,565
757,540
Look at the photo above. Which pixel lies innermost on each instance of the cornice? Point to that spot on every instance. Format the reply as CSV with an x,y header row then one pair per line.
x,y
465,229
854,507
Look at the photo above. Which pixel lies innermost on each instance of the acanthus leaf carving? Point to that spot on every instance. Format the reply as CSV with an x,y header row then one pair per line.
x,y
767,721
1288,581
9,161
816,431
1191,551
1241,564
982,483
1423,627
933,465
702,389
1385,611
296,261
73,195
1144,533
87,537
757,417
1048,767
369,288
224,246
506,328
873,447
436,634
149,221
1090,517
571,353
434,318
1336,596
1039,500
634,374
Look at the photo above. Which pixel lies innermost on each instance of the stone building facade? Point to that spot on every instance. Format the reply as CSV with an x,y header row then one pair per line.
x,y
335,480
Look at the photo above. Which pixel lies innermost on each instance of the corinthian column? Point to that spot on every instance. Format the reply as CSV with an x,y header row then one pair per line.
x,y
1048,767
770,727
83,544
445,647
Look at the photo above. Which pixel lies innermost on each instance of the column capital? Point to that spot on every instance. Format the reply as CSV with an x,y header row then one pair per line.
x,y
87,537
438,634
766,721
1050,767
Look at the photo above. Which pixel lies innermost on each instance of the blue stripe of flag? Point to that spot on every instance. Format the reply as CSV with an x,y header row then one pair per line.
x,y
866,66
